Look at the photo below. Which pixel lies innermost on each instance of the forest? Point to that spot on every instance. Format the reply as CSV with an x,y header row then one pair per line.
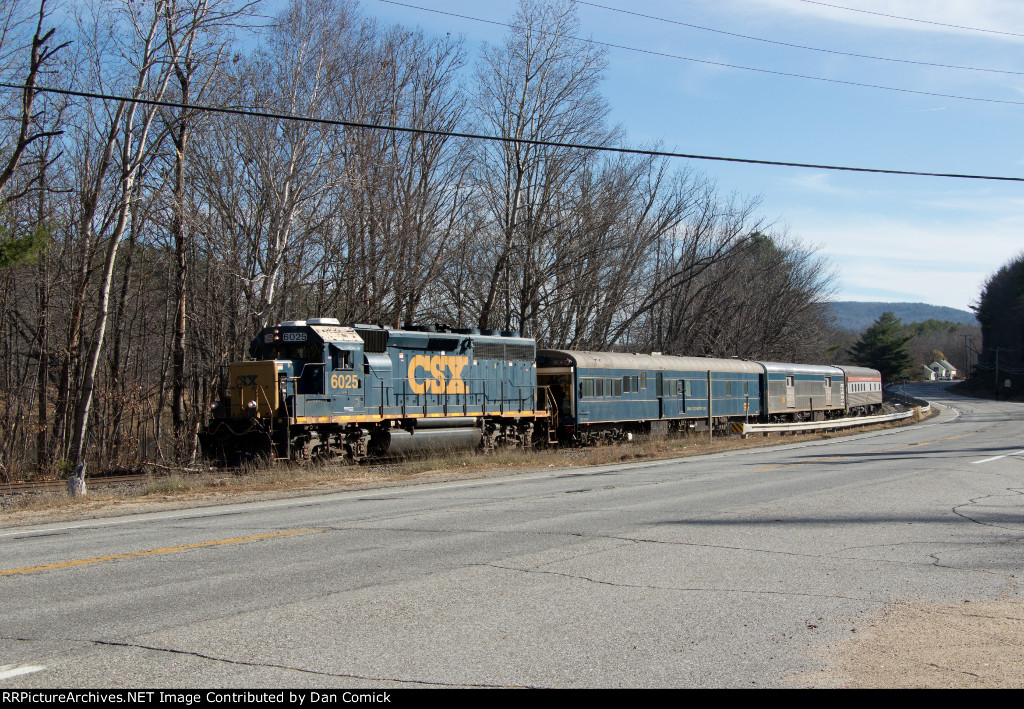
x,y
177,174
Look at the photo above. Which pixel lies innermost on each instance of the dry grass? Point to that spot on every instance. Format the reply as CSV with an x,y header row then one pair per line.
x,y
217,486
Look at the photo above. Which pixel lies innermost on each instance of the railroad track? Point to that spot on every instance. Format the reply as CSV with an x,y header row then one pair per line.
x,y
22,487
34,486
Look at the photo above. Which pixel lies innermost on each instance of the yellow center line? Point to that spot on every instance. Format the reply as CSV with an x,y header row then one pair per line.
x,y
167,550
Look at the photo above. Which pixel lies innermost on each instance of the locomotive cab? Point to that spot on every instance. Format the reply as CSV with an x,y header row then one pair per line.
x,y
322,372
303,373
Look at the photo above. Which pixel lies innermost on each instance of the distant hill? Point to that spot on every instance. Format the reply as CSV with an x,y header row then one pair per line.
x,y
857,315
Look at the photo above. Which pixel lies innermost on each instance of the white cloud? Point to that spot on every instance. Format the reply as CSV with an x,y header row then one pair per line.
x,y
814,182
946,264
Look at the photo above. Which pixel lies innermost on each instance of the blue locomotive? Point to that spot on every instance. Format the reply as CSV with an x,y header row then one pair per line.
x,y
317,388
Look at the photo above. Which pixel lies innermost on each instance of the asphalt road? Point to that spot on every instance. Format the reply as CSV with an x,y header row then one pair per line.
x,y
728,570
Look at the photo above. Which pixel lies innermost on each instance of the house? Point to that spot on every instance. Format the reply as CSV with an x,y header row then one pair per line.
x,y
943,369
949,368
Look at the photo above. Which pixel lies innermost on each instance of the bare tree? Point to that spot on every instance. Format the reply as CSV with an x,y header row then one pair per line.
x,y
399,202
680,285
276,170
41,51
128,130
540,85
196,44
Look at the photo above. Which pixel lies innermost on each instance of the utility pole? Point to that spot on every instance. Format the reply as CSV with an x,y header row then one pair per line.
x,y
972,354
997,351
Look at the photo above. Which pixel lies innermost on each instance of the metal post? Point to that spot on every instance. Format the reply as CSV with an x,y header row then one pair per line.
x,y
711,427
997,372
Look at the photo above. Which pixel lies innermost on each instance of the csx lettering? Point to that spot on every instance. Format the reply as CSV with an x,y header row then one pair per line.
x,y
247,380
433,376
344,381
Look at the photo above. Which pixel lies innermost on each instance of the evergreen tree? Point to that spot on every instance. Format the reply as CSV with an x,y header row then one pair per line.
x,y
884,346
1000,311
20,249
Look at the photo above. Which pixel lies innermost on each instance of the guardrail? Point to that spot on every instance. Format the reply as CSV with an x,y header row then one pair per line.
x,y
747,428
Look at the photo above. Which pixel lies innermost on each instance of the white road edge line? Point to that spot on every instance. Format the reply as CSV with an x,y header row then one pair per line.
x,y
989,460
9,671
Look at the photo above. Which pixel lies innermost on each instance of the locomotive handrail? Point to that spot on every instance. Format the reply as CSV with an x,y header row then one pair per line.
x,y
503,398
293,395
550,404
262,388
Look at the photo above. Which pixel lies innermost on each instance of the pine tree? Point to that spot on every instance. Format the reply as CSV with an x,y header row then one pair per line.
x,y
1000,311
884,346
20,249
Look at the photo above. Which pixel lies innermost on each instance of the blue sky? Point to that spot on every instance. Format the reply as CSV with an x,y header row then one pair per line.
x,y
932,240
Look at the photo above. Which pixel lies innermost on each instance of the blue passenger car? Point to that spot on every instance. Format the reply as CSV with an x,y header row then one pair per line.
x,y
605,395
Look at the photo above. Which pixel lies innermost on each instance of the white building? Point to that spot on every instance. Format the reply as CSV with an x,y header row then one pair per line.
x,y
943,369
949,368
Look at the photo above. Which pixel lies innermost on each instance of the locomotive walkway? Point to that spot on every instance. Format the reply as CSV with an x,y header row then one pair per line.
x,y
739,569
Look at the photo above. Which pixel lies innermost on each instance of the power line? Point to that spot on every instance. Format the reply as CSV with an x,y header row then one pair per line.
x,y
799,46
500,139
721,64
911,19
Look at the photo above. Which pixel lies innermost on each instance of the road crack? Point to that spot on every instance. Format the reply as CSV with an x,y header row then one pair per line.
x,y
975,500
951,669
694,589
270,665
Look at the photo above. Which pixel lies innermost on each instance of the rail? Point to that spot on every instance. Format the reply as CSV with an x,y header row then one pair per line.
x,y
745,429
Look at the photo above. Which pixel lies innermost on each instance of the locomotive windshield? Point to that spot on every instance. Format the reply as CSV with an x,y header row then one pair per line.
x,y
293,350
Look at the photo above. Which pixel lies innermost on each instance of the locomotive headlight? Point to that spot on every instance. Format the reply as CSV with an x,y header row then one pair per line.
x,y
251,408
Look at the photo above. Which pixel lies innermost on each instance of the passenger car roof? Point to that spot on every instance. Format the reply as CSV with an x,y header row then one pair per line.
x,y
651,362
